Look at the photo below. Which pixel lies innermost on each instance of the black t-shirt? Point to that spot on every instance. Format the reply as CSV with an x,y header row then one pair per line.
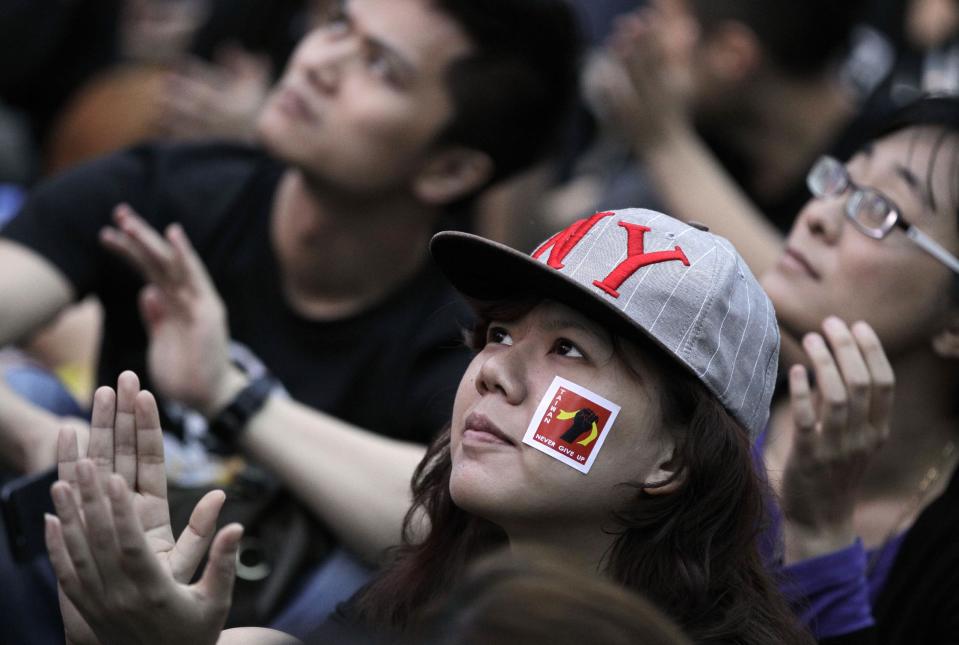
x,y
392,369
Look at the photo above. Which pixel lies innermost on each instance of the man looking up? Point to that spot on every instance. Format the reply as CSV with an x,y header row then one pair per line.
x,y
389,116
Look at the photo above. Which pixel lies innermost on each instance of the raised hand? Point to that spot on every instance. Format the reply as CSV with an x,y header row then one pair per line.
x,y
838,427
183,313
123,578
649,93
222,100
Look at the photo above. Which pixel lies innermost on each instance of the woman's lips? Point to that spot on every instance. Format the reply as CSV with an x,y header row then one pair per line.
x,y
292,102
479,429
796,260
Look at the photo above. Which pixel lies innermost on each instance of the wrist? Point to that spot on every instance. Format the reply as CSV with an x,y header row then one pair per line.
x,y
803,542
229,424
230,384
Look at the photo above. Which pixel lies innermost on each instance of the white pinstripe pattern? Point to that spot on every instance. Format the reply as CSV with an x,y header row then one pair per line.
x,y
599,235
758,356
679,282
770,313
696,317
643,277
722,325
749,313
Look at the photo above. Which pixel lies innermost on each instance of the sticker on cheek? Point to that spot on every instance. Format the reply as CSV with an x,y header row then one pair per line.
x,y
571,424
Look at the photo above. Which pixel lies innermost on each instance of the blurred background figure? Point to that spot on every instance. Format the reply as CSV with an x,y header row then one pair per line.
x,y
87,77
508,600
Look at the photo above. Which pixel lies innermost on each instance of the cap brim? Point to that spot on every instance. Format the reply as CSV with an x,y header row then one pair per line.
x,y
487,271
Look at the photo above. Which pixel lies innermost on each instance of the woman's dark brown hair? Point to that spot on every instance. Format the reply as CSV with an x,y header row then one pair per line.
x,y
693,552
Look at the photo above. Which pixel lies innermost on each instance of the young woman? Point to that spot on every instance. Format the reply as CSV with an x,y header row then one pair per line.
x,y
650,334
869,505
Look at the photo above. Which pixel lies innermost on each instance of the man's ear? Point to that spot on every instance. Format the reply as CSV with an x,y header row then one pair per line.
x,y
669,476
452,173
946,342
733,52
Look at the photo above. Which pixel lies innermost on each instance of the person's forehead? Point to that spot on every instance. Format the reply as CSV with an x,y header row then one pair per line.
x,y
922,160
416,29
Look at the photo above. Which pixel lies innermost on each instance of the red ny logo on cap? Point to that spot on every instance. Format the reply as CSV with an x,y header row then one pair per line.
x,y
562,243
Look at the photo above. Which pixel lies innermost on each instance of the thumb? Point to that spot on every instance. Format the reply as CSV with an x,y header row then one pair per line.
x,y
220,572
152,309
195,538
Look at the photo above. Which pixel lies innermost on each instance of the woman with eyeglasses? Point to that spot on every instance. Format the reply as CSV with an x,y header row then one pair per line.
x,y
871,511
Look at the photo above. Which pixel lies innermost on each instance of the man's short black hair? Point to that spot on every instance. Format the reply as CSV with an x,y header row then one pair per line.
x,y
511,94
801,37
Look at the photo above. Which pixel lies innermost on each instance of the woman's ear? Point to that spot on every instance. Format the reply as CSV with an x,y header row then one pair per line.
x,y
668,476
451,174
946,342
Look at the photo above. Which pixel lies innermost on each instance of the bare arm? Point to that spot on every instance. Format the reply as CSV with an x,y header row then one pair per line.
x,y
356,481
645,87
697,188
28,435
32,290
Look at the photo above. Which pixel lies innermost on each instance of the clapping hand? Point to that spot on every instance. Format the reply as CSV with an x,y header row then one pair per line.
x,y
184,315
123,578
838,426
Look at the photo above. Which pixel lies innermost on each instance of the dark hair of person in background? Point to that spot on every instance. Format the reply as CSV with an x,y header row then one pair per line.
x,y
511,95
800,37
692,553
505,600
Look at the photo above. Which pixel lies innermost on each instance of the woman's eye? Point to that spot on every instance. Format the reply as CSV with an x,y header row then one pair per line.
x,y
566,347
499,336
380,65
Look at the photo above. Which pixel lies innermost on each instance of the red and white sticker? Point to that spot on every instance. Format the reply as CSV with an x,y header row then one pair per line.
x,y
571,424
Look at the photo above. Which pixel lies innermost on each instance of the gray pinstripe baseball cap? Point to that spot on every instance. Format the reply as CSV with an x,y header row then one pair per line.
x,y
685,288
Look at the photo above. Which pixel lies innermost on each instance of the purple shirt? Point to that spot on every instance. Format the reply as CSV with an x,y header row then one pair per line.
x,y
832,594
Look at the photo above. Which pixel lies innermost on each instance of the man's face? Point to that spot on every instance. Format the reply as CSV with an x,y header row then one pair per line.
x,y
365,95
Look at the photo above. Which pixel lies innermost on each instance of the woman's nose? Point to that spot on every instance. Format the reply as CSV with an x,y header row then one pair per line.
x,y
825,216
504,373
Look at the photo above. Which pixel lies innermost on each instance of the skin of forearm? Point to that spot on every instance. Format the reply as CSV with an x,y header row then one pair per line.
x,y
28,435
695,187
33,291
356,481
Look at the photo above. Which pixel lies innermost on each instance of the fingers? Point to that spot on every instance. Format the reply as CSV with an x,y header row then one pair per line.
x,y
60,557
882,377
220,571
124,432
150,469
76,549
194,270
100,449
67,454
98,523
853,369
137,242
832,390
138,561
195,539
855,382
803,411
